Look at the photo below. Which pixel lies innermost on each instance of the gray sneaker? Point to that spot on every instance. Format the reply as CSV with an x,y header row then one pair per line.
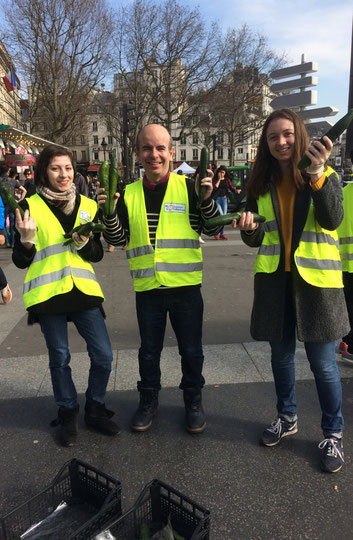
x,y
277,430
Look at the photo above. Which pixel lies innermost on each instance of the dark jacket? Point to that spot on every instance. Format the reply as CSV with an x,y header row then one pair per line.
x,y
321,314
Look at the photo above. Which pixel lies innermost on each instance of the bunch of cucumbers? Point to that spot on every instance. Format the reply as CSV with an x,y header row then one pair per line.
x,y
108,179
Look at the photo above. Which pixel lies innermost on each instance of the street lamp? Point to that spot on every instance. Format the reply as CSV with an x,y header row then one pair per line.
x,y
104,146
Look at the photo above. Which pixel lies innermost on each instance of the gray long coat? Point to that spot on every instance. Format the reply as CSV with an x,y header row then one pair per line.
x,y
321,313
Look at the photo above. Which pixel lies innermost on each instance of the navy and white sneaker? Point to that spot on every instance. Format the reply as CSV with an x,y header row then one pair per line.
x,y
332,457
277,430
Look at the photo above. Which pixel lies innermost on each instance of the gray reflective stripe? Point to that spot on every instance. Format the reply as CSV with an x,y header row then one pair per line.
x,y
138,251
347,256
142,273
319,264
172,243
55,249
270,226
52,277
346,240
318,238
273,249
179,267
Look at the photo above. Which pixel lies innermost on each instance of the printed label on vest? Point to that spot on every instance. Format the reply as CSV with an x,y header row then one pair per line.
x,y
172,207
86,216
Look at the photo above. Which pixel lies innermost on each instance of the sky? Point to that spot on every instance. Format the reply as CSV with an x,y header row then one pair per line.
x,y
320,29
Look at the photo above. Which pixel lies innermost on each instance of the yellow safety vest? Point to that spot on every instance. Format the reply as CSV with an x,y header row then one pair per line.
x,y
316,257
176,260
56,268
345,230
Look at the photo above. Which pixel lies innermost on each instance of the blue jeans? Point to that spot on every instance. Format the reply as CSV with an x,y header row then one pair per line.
x,y
9,236
91,326
222,206
185,313
323,364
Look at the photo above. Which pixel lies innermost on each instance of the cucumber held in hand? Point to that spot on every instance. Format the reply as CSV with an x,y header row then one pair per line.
x,y
103,177
333,133
113,182
84,230
11,202
226,219
204,165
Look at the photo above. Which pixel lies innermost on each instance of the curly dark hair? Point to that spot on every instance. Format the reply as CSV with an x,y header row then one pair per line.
x,y
45,157
267,167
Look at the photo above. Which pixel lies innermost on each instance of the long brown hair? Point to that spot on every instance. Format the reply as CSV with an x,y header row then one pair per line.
x,y
45,157
267,167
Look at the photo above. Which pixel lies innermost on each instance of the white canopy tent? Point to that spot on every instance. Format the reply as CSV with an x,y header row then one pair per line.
x,y
185,168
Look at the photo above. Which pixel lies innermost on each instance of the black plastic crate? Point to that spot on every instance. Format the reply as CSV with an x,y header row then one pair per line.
x,y
155,503
77,483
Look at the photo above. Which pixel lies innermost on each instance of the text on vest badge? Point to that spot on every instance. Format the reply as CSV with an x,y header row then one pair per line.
x,y
86,216
173,207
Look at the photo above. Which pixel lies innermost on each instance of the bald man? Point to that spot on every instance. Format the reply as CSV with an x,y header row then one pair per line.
x,y
158,218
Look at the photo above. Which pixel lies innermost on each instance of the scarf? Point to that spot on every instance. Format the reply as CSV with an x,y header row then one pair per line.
x,y
65,200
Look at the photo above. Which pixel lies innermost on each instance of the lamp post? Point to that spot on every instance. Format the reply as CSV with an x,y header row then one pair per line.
x,y
104,146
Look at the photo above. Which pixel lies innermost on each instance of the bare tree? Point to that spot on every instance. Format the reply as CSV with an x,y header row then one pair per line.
x,y
237,105
61,47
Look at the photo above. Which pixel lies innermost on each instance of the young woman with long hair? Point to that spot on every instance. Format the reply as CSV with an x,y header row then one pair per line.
x,y
298,273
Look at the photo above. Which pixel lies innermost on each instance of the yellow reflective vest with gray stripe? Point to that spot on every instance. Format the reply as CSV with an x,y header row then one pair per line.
x,y
345,230
316,257
176,260
56,268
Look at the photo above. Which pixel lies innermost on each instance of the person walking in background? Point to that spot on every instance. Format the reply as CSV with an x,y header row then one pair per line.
x,y
61,286
298,273
158,218
11,185
5,290
221,185
29,184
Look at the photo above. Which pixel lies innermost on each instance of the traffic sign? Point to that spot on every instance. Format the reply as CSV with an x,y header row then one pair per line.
x,y
284,73
320,112
317,129
294,84
300,99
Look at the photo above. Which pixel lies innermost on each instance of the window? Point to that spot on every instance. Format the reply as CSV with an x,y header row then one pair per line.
x,y
95,139
82,139
74,154
110,139
229,154
220,138
96,155
94,126
195,153
195,138
183,139
240,150
83,155
220,153
182,155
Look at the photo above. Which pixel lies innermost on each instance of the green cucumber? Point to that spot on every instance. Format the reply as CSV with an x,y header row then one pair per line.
x,y
103,177
11,202
204,165
84,230
333,133
113,182
226,219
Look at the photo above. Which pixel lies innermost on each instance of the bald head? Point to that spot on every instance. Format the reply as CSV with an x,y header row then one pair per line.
x,y
153,129
154,150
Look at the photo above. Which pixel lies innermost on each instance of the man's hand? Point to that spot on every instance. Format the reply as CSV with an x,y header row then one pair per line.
x,y
27,228
101,196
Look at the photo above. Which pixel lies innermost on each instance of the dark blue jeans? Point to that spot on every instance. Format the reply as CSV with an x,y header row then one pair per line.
x,y
91,326
322,359
185,311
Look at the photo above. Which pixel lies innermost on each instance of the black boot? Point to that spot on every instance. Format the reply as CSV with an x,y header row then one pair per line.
x,y
194,414
99,418
67,419
148,407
